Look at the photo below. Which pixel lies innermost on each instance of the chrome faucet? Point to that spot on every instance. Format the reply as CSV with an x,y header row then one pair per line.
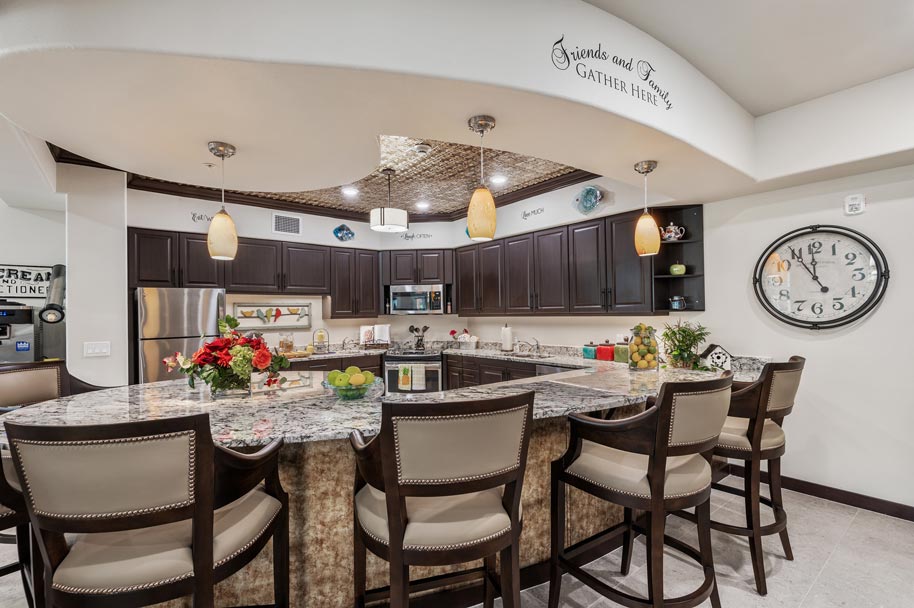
x,y
534,347
348,340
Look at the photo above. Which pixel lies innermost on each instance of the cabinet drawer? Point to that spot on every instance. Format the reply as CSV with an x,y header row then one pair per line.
x,y
363,362
454,360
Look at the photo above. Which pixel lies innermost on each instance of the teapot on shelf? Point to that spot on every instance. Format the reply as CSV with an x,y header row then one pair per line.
x,y
672,232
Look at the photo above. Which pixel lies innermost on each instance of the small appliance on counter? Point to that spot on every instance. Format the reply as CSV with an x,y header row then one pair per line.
x,y
417,299
17,333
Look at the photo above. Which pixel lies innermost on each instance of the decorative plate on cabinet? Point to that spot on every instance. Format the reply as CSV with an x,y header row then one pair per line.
x,y
821,276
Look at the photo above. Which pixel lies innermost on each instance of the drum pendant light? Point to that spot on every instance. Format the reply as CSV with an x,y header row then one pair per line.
x,y
388,219
222,238
481,215
647,233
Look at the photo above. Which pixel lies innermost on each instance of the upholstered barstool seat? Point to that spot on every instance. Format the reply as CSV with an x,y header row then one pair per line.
x,y
4,511
116,562
626,472
735,435
437,522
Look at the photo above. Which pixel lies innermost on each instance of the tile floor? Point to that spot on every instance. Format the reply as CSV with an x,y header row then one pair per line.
x,y
844,557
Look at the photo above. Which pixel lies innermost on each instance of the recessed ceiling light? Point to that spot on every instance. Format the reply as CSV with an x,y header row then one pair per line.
x,y
349,191
498,180
422,205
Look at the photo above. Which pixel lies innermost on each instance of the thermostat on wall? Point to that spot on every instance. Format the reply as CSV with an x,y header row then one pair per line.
x,y
854,204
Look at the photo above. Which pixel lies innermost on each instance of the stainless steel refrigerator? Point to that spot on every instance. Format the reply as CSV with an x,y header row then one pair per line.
x,y
174,320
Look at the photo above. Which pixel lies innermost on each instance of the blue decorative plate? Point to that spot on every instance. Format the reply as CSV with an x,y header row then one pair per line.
x,y
588,199
343,233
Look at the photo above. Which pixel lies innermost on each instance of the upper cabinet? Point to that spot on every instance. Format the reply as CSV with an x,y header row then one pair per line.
x,y
520,283
491,277
551,271
466,260
153,258
403,268
257,267
588,280
630,281
430,267
416,267
354,291
306,269
195,267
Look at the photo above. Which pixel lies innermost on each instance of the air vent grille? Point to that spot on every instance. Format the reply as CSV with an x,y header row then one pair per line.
x,y
286,224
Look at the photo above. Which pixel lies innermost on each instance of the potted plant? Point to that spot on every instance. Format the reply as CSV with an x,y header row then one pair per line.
x,y
682,342
226,363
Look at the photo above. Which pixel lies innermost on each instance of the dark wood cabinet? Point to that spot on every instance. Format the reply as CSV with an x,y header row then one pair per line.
x,y
367,363
551,271
519,278
354,291
152,257
305,269
516,370
195,267
467,282
430,267
630,274
491,371
403,268
491,277
587,275
257,267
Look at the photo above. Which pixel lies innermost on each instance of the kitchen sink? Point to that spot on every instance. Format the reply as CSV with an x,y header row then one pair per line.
x,y
530,356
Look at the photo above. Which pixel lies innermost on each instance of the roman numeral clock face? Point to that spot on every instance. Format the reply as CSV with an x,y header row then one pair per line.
x,y
821,276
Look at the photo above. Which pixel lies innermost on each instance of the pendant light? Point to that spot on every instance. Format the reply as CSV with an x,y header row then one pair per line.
x,y
647,233
481,212
388,219
222,238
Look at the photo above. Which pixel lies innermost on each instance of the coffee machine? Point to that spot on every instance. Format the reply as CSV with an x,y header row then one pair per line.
x,y
17,333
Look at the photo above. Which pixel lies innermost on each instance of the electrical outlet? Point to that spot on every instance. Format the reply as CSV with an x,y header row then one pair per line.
x,y
96,349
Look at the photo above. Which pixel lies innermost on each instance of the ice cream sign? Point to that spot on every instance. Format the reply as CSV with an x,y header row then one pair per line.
x,y
24,281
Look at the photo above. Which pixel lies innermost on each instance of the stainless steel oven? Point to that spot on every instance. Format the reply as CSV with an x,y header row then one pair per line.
x,y
423,372
417,299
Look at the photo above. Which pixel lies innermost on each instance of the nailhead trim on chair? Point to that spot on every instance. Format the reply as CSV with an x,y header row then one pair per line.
x,y
648,496
248,545
55,369
673,417
116,590
192,457
783,407
400,479
441,547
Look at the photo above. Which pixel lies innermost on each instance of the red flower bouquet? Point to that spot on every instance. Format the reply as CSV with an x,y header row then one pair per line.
x,y
227,363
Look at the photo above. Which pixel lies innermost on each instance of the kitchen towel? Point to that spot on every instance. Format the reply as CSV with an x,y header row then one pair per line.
x,y
418,372
366,334
404,378
382,333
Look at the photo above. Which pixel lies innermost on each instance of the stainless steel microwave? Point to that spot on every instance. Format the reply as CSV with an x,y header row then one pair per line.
x,y
417,299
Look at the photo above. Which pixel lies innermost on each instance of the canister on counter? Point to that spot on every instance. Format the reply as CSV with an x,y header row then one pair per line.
x,y
590,351
606,351
621,353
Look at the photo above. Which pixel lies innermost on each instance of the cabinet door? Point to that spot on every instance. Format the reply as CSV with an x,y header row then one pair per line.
x,y
454,375
490,373
367,363
342,283
491,277
516,371
430,267
403,268
587,267
197,269
519,280
467,286
629,274
551,270
152,258
257,267
367,290
305,269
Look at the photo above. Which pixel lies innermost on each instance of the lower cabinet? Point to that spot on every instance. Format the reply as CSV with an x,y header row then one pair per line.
x,y
370,363
472,371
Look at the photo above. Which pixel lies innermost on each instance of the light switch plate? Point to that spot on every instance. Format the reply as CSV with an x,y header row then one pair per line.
x,y
96,349
854,204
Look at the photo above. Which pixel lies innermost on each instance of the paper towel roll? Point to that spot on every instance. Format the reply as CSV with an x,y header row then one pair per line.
x,y
507,338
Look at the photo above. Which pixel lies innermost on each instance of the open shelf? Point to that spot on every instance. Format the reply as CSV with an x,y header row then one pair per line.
x,y
679,242
678,276
689,252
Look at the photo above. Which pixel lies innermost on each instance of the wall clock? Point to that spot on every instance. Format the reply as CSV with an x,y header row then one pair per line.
x,y
819,277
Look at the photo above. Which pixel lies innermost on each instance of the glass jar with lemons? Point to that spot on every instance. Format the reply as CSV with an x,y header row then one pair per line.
x,y
643,349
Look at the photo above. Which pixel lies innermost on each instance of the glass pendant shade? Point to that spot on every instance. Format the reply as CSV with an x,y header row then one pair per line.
x,y
647,235
222,238
388,219
481,215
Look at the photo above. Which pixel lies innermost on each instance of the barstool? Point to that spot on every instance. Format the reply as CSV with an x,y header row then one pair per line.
x,y
154,519
752,433
657,461
441,485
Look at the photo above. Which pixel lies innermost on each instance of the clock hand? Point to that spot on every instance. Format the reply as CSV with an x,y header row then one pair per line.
x,y
815,274
811,273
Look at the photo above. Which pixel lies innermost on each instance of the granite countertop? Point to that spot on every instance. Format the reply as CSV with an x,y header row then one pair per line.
x,y
314,414
340,354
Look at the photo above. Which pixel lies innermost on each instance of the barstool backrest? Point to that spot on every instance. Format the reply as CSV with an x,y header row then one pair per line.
x,y
784,383
697,417
113,477
27,384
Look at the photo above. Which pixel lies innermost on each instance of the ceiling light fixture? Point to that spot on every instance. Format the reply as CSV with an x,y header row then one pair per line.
x,y
498,180
349,191
647,233
222,237
388,219
423,205
481,217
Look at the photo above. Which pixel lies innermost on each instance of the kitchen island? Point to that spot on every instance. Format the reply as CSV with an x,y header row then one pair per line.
x,y
317,464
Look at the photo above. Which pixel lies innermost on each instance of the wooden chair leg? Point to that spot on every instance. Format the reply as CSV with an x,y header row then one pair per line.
x,y
774,483
510,575
753,522
557,511
281,560
655,557
628,539
489,599
703,512
359,565
399,583
23,540
39,585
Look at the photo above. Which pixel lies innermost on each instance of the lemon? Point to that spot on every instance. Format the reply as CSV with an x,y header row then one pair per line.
x,y
369,377
352,369
652,364
636,357
309,348
642,364
357,379
637,341
341,380
648,357
332,376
